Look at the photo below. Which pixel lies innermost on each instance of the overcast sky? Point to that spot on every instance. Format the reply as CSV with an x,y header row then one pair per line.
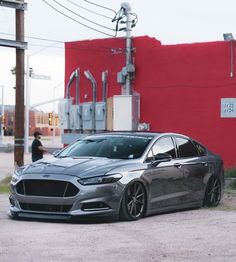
x,y
170,21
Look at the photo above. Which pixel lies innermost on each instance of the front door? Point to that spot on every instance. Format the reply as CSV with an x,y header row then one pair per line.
x,y
166,179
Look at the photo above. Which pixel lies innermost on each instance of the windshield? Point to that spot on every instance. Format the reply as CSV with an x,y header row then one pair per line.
x,y
116,147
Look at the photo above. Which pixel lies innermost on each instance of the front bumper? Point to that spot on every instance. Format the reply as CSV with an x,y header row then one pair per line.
x,y
17,214
91,201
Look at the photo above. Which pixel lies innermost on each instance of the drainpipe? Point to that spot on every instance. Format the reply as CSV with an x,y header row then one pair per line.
x,y
68,87
77,80
77,96
90,77
104,94
104,86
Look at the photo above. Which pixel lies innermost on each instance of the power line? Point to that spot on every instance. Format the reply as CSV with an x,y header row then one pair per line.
x,y
86,9
104,7
36,38
90,21
113,51
87,46
96,30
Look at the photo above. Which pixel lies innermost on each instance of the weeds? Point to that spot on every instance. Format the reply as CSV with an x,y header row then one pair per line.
x,y
231,172
233,185
5,185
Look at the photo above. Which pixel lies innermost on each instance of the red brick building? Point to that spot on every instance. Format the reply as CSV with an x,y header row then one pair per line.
x,y
39,120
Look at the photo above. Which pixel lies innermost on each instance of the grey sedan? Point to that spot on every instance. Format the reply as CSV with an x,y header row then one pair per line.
x,y
126,175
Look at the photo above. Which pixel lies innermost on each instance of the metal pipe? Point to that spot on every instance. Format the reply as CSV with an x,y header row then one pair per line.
x,y
77,93
104,94
68,87
90,77
232,58
230,38
104,85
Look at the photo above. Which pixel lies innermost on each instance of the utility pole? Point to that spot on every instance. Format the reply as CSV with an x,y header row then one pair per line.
x,y
19,98
128,83
128,90
20,46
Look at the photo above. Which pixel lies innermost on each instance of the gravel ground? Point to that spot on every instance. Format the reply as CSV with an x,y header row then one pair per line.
x,y
195,235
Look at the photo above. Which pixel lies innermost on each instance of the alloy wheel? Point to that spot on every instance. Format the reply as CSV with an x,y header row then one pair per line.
x,y
134,202
213,192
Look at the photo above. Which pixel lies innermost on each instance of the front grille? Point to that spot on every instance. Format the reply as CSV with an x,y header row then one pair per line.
x,y
45,208
46,188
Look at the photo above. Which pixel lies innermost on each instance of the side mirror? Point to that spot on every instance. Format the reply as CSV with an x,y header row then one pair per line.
x,y
162,157
56,152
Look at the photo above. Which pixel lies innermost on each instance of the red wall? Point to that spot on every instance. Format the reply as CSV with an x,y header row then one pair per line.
x,y
180,85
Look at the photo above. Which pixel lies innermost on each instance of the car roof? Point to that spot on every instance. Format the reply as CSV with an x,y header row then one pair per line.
x,y
137,133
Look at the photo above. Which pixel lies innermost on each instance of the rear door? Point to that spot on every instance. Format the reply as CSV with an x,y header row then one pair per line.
x,y
194,166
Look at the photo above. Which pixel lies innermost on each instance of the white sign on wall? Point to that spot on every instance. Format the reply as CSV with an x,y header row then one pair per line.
x,y
228,108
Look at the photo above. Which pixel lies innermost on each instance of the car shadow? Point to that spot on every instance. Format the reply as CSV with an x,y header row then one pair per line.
x,y
97,220
78,220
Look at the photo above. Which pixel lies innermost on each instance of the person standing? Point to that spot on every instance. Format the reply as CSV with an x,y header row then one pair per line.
x,y
37,147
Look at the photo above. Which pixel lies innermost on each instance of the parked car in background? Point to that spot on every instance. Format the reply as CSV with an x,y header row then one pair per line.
x,y
123,174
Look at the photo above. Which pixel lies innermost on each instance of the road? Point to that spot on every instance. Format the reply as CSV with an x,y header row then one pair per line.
x,y
196,235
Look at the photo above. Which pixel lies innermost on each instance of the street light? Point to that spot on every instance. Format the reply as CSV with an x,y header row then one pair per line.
x,y
53,113
29,74
229,38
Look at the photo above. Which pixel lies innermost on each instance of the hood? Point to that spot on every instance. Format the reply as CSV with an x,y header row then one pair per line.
x,y
78,166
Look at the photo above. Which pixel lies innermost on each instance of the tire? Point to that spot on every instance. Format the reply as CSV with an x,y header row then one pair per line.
x,y
213,192
134,202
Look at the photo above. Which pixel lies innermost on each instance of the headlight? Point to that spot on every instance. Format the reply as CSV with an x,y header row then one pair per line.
x,y
100,179
15,177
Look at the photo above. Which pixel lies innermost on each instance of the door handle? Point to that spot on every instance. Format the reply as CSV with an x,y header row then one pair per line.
x,y
178,165
204,163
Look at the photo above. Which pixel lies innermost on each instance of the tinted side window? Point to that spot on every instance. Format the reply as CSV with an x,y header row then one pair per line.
x,y
201,149
164,145
186,148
